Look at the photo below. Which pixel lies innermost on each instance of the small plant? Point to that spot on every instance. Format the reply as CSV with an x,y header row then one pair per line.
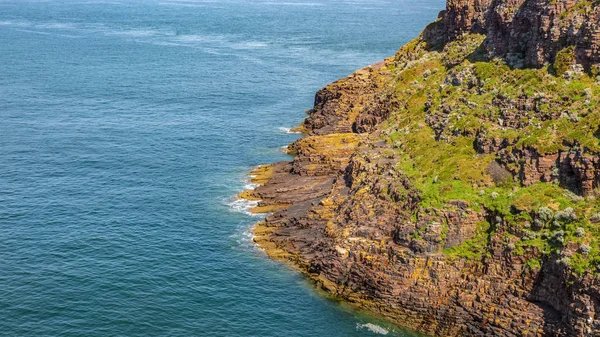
x,y
538,224
595,218
545,214
566,261
585,249
558,237
529,236
555,224
568,214
580,232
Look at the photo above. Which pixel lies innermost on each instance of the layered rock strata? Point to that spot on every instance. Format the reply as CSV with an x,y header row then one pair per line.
x,y
449,192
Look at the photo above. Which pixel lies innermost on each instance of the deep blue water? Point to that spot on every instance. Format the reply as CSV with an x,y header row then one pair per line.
x,y
125,129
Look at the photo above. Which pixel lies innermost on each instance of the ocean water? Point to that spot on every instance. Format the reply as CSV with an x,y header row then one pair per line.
x,y
126,129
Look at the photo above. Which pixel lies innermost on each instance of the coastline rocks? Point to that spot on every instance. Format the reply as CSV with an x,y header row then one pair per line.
x,y
323,155
338,105
359,210
348,224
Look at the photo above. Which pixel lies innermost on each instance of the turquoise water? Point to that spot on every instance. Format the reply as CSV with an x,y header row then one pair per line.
x,y
125,129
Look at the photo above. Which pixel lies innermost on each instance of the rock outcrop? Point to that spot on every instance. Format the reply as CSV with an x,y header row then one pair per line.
x,y
451,193
529,32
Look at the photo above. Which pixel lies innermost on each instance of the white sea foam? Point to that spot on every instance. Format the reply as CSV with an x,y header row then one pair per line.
x,y
373,328
97,28
137,32
195,39
244,236
32,31
195,1
216,44
181,4
248,45
249,185
96,3
44,33
218,41
239,205
15,23
56,25
277,3
287,130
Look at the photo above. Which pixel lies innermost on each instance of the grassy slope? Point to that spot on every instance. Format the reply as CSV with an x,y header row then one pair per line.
x,y
448,168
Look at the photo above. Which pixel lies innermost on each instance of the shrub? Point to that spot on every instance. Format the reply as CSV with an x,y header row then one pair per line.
x,y
538,224
555,224
565,261
585,249
580,232
568,214
559,237
545,214
529,236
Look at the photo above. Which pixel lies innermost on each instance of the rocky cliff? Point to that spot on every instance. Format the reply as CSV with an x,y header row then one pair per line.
x,y
453,188
528,32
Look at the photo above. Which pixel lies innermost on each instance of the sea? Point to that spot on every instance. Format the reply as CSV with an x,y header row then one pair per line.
x,y
127,127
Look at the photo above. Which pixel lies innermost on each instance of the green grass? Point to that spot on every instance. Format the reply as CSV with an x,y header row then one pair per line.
x,y
474,248
559,113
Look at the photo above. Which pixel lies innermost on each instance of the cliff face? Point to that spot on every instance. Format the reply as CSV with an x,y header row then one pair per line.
x,y
448,190
529,32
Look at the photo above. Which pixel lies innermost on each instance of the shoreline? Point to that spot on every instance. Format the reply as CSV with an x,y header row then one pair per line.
x,y
404,199
326,218
318,158
261,237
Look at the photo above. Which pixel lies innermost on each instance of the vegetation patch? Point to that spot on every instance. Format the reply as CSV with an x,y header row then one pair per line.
x,y
450,98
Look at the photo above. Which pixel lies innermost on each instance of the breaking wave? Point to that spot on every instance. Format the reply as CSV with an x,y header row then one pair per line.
x,y
287,130
373,328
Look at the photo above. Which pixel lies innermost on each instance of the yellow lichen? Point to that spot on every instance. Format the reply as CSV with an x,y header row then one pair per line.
x,y
261,174
268,208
